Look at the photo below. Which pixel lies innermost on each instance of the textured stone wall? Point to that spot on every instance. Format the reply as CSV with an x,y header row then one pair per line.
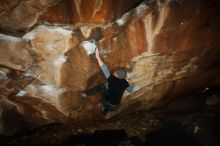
x,y
88,11
170,48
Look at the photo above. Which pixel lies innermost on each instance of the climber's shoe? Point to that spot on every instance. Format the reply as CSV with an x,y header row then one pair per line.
x,y
83,94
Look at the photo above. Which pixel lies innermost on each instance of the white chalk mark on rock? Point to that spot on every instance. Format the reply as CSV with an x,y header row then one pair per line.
x,y
123,19
21,93
89,47
59,59
3,75
51,91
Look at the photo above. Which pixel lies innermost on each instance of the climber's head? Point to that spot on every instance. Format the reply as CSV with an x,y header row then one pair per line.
x,y
121,73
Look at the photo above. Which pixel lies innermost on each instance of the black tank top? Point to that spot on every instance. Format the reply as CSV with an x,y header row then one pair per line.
x,y
116,88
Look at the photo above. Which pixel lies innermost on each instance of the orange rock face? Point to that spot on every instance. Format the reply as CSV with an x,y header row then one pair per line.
x,y
21,14
169,47
88,11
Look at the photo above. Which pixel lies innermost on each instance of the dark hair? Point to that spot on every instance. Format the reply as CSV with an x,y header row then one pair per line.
x,y
121,72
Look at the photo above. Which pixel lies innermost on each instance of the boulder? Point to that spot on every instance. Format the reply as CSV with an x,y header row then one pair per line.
x,y
170,48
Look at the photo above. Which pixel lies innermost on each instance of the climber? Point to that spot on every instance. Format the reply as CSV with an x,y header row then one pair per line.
x,y
113,90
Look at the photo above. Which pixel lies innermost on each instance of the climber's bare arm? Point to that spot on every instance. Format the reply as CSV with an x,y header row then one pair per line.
x,y
98,57
131,87
103,66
